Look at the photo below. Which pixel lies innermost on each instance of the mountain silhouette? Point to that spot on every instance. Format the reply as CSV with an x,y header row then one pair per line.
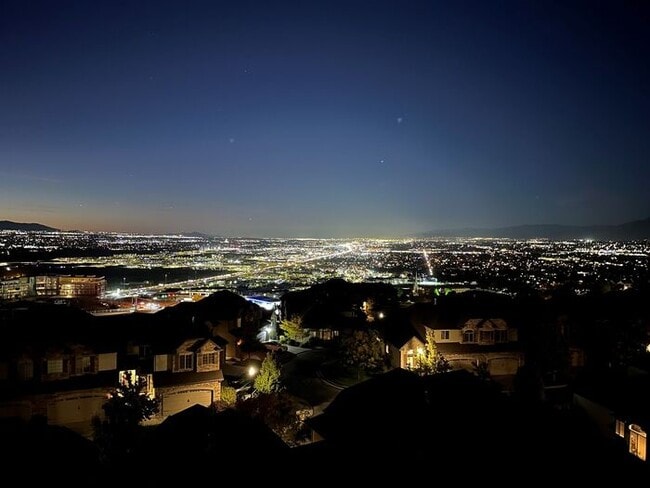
x,y
24,226
635,230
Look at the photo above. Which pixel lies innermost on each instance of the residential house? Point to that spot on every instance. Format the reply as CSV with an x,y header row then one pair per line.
x,y
399,422
60,363
65,383
330,308
403,343
619,406
189,375
475,341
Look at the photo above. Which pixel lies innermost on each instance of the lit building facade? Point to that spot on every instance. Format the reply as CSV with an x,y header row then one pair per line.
x,y
52,285
81,286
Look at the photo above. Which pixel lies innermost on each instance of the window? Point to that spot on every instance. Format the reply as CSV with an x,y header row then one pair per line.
x,y
468,336
83,365
107,361
25,369
185,362
54,366
161,362
410,359
208,358
637,441
145,351
444,335
486,336
500,336
620,428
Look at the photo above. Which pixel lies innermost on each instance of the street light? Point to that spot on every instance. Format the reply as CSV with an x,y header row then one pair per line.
x,y
252,371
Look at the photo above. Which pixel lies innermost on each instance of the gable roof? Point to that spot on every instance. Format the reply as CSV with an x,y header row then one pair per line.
x,y
399,334
485,324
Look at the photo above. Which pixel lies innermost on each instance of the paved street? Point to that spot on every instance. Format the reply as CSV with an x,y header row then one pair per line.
x,y
301,376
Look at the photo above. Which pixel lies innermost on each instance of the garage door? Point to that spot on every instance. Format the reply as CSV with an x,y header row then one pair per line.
x,y
74,410
176,402
503,366
16,409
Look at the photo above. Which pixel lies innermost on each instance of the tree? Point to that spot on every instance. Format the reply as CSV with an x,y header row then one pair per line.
x,y
369,309
430,361
228,397
268,379
278,411
127,406
363,350
292,328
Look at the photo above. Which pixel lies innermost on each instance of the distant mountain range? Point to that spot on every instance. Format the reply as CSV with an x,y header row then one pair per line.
x,y
201,235
636,230
24,226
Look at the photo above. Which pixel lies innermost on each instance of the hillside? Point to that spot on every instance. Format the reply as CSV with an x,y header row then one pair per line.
x,y
25,226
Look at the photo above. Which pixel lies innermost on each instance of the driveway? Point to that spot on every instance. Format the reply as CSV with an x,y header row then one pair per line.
x,y
301,377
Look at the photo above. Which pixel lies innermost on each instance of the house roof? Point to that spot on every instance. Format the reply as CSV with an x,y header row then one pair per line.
x,y
401,407
400,334
406,422
49,450
452,311
169,378
626,395
195,345
485,324
446,348
103,379
204,433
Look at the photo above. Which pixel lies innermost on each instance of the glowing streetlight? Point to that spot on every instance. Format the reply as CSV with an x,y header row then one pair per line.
x,y
252,371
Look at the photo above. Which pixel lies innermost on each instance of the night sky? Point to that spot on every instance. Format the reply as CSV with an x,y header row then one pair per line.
x,y
323,119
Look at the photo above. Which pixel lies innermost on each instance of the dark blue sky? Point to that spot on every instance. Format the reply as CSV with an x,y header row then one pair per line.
x,y
323,119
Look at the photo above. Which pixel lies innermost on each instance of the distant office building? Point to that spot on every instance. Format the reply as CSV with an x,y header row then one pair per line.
x,y
47,285
81,286
51,286
13,288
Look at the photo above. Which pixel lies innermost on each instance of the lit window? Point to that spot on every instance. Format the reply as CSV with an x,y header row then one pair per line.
x,y
620,428
444,335
208,358
637,441
410,359
54,366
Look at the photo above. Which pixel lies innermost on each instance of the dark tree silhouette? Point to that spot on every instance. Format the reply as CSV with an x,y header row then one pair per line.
x,y
127,406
